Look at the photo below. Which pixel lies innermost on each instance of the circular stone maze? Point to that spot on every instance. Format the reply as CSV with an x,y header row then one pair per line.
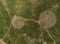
x,y
29,21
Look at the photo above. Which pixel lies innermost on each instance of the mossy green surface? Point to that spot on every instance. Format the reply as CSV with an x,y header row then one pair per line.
x,y
15,36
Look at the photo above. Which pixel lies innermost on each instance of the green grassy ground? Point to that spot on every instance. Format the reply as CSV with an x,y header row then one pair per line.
x,y
24,8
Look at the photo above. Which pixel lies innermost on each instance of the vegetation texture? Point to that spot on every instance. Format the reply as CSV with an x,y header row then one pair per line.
x,y
28,30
